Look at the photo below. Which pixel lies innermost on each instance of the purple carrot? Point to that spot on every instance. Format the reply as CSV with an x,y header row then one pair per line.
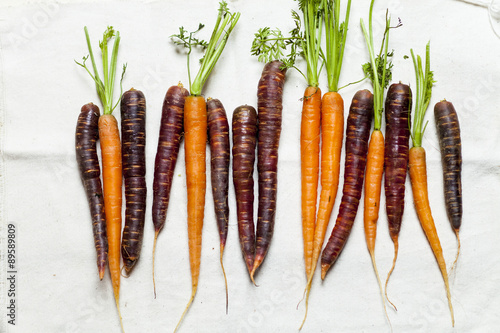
x,y
356,144
86,137
171,130
244,144
397,140
133,128
269,106
451,152
218,136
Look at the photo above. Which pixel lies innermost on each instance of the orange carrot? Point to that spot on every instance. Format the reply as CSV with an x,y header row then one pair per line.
x,y
195,141
109,136
332,131
380,77
195,135
309,157
373,186
310,124
418,169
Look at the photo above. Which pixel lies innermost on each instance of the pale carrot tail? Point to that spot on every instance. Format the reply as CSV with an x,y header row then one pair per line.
x,y
117,301
396,247
224,273
307,291
154,252
193,293
372,255
458,252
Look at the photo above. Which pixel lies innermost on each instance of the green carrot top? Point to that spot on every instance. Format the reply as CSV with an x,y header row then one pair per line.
x,y
425,81
336,34
213,48
379,68
311,43
105,89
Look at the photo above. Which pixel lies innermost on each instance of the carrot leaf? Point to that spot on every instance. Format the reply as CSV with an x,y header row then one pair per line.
x,y
424,83
270,44
105,89
224,25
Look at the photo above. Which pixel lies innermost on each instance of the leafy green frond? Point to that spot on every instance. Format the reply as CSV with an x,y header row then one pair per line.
x,y
104,88
270,44
224,25
186,39
379,64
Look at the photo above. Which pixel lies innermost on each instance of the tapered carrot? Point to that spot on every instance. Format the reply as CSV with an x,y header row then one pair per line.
x,y
451,154
218,137
309,164
244,143
357,135
270,106
86,137
397,134
169,140
109,136
195,141
418,170
310,124
195,134
380,77
133,126
332,130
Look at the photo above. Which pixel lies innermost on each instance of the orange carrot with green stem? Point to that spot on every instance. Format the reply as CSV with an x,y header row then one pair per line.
x,y
332,129
310,124
195,134
109,136
418,169
378,69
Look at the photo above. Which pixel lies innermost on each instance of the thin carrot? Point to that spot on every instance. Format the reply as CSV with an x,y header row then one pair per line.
x,y
244,143
111,153
270,46
87,134
397,132
270,106
332,129
195,133
378,69
169,140
133,126
218,137
451,155
310,124
309,164
417,166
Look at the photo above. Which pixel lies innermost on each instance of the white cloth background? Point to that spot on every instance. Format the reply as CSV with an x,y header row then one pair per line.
x,y
58,290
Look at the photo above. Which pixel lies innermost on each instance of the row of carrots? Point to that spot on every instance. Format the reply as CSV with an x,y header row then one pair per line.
x,y
187,115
